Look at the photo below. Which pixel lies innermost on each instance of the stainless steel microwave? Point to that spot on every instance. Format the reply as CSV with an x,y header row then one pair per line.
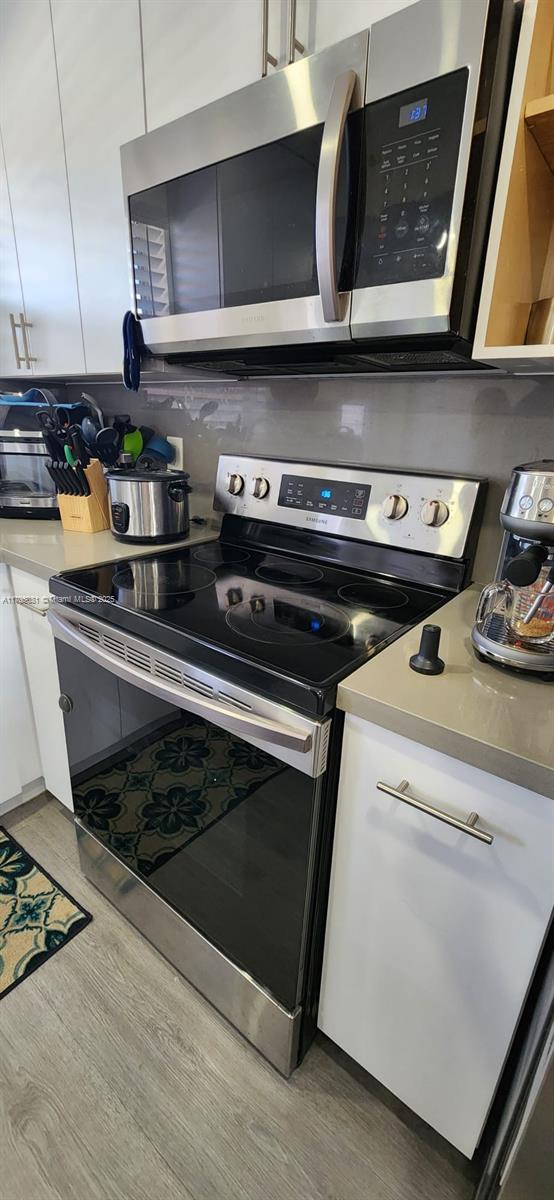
x,y
334,212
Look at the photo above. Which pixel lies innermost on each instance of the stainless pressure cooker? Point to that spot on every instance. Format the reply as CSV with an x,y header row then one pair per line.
x,y
148,506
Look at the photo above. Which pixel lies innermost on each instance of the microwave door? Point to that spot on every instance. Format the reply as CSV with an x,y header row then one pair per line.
x,y
242,213
421,93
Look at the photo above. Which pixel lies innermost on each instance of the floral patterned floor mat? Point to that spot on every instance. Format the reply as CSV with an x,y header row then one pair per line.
x,y
37,917
163,794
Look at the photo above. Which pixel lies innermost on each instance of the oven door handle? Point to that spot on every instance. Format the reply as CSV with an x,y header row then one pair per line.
x,y
326,196
248,724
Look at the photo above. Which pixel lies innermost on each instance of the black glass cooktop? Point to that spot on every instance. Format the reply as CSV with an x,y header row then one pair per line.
x,y
292,617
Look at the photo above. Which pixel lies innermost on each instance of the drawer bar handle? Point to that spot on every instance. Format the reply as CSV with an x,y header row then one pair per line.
x,y
467,826
41,612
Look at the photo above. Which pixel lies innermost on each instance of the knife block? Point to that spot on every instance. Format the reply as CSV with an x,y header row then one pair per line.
x,y
87,514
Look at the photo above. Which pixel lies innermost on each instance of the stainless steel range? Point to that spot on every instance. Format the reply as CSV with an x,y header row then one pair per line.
x,y
199,694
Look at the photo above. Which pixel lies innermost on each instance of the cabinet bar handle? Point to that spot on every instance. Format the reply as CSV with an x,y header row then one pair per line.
x,y
41,612
293,43
266,56
467,826
15,325
25,325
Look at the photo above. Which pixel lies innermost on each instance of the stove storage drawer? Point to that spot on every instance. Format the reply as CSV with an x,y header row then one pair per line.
x,y
433,934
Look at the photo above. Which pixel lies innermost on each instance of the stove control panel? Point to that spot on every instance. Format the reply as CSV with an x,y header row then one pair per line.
x,y
325,495
407,510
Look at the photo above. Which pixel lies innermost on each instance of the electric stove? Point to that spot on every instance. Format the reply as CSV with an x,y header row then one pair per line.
x,y
199,697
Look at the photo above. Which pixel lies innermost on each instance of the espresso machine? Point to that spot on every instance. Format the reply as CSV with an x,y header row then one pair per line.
x,y
514,625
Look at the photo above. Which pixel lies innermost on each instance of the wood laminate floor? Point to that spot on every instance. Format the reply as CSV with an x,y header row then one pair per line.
x,y
119,1082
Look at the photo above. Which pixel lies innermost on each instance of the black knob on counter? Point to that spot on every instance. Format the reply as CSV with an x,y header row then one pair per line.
x,y
525,568
427,660
65,703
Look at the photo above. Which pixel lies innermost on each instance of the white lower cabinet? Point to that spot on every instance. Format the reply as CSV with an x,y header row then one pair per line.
x,y
432,936
20,773
41,669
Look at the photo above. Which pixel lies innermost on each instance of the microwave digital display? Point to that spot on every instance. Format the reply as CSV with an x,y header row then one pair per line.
x,y
410,113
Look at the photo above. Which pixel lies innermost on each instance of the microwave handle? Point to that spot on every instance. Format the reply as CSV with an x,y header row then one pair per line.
x,y
326,197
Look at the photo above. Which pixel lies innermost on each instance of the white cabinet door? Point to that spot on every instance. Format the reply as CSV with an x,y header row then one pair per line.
x,y
195,52
320,23
11,297
35,165
99,63
19,758
42,674
432,936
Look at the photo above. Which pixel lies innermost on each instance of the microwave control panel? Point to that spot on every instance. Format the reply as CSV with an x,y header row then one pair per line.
x,y
412,144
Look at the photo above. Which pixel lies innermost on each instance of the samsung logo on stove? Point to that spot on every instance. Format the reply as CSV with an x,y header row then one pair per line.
x,y
318,520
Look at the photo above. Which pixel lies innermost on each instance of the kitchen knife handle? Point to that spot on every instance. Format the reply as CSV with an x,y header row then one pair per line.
x,y
85,486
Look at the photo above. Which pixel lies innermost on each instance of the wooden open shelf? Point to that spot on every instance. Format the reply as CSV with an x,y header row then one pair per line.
x,y
519,268
539,118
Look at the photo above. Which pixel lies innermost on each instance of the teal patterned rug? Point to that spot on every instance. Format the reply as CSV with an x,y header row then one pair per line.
x,y
163,794
37,917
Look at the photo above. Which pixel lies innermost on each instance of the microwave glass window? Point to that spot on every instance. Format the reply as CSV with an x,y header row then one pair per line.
x,y
239,232
412,142
415,111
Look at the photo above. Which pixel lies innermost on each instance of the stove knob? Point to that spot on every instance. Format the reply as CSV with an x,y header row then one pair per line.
x,y
394,507
235,484
434,512
259,487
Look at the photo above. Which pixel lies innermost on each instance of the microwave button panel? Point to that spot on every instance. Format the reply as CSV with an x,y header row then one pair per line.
x,y
412,142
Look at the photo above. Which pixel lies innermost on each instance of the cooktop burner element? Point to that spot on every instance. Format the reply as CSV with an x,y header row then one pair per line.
x,y
153,578
217,554
288,573
373,595
282,620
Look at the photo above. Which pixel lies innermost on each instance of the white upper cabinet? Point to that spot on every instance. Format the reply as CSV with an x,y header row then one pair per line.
x,y
11,298
195,52
320,23
35,165
102,105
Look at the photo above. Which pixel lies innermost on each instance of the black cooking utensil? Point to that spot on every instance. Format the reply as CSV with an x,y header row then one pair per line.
x,y
150,462
89,429
76,442
121,422
108,443
53,445
146,433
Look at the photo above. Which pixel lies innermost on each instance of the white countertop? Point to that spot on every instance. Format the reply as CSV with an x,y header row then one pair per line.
x,y
479,713
44,548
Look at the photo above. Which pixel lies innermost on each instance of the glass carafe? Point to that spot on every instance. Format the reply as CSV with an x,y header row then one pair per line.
x,y
527,611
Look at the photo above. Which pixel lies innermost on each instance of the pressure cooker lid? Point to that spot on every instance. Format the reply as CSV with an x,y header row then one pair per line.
x,y
132,475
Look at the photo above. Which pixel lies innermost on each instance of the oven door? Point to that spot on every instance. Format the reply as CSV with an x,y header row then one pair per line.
x,y
242,214
419,122
198,807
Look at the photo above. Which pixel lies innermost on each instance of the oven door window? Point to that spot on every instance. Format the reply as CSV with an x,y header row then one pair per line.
x,y
221,829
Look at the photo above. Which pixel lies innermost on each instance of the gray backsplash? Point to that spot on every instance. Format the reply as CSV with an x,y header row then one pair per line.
x,y
471,425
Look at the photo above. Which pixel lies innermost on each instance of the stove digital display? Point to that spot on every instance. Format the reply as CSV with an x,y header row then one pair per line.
x,y
325,496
